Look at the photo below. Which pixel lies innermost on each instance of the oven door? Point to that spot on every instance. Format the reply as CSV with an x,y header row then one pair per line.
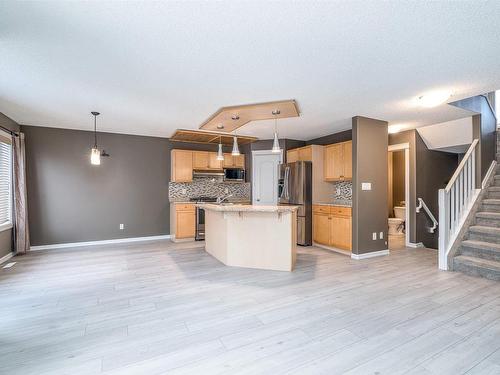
x,y
200,224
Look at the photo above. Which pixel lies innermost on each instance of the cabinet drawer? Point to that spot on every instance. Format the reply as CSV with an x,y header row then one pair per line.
x,y
321,209
185,207
340,211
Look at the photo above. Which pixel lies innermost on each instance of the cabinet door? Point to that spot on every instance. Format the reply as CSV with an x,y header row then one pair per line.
x,y
213,163
334,162
348,160
292,156
305,154
341,232
185,224
200,160
321,228
239,161
228,161
182,166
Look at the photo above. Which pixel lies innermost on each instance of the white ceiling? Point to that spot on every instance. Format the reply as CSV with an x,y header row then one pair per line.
x,y
151,68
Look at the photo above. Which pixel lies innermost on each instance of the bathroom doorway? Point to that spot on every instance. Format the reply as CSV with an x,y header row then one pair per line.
x,y
397,196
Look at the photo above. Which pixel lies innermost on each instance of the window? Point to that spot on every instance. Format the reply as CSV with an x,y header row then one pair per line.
x,y
497,106
5,183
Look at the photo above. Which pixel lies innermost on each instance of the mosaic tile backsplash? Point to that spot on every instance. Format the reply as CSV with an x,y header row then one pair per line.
x,y
207,187
342,190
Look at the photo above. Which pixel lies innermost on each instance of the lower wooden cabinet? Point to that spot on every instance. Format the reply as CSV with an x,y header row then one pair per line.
x,y
185,220
332,226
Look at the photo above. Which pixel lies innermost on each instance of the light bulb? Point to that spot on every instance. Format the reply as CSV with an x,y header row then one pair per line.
x,y
95,156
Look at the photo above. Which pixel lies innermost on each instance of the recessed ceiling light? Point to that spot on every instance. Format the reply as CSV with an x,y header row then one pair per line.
x,y
235,117
433,98
220,126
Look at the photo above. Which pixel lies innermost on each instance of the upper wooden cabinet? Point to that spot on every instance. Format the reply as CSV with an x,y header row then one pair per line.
x,y
206,160
181,166
299,154
338,161
231,161
184,161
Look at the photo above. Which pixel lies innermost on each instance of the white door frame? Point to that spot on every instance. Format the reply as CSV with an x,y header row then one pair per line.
x,y
406,148
262,152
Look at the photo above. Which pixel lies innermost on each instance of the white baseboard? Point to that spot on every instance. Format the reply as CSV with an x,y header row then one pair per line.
x,y
415,245
5,258
103,242
486,178
370,254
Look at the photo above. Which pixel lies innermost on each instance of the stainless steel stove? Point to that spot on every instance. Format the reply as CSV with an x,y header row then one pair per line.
x,y
200,216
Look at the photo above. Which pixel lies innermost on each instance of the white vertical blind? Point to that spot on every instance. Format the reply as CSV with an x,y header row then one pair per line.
x,y
5,183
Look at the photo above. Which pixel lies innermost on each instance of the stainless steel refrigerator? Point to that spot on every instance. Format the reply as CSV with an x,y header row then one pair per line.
x,y
295,188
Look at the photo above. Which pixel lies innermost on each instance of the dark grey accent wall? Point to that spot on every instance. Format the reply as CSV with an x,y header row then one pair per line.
x,y
433,172
484,129
369,208
332,138
6,244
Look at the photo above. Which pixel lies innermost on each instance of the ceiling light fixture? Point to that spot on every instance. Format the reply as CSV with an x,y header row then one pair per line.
x,y
236,150
220,126
434,98
220,154
276,143
95,155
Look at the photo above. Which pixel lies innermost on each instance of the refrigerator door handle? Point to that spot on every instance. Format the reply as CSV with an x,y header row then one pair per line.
x,y
287,183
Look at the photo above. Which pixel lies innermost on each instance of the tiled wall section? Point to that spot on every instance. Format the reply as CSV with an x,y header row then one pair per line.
x,y
342,190
207,187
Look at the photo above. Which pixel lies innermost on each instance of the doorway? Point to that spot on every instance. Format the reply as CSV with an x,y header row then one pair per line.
x,y
398,196
265,177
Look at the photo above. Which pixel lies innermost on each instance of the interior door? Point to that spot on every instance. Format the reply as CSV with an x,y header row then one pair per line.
x,y
265,178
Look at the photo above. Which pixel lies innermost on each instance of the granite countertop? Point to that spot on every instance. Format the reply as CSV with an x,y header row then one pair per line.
x,y
239,201
245,208
336,202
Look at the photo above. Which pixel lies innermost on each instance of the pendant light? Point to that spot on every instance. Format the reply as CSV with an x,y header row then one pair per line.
x,y
236,150
220,155
95,155
276,143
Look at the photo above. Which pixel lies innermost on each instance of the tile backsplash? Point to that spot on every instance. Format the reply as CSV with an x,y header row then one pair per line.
x,y
207,187
342,190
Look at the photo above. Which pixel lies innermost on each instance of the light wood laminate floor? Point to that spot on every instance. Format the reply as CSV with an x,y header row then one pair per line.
x,y
164,308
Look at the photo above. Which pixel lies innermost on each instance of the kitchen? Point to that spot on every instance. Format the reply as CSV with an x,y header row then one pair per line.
x,y
315,178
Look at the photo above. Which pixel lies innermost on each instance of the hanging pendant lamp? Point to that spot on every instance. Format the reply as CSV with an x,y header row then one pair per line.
x,y
95,154
236,150
276,143
220,154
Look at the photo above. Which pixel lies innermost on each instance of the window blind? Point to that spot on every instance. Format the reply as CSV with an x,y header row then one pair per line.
x,y
5,183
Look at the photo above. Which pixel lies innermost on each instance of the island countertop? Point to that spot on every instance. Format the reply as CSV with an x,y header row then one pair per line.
x,y
246,208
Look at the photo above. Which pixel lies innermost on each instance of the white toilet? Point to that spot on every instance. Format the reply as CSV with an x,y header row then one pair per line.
x,y
395,223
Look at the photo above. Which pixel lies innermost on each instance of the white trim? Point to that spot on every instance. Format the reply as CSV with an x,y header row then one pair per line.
x,y
486,178
334,249
5,258
370,254
6,226
399,146
103,242
415,245
5,134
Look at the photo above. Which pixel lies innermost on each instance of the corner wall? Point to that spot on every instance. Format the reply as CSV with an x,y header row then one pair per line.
x,y
369,207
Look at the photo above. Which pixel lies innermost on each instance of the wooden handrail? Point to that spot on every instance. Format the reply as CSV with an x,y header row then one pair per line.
x,y
461,165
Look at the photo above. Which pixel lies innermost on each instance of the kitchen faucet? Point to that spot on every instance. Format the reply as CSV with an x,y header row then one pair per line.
x,y
223,198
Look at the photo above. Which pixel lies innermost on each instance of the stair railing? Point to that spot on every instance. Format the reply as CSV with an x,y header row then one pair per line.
x,y
455,202
421,204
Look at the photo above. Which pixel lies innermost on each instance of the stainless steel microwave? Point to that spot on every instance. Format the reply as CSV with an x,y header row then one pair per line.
x,y
234,175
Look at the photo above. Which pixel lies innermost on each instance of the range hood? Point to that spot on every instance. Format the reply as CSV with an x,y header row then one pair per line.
x,y
208,173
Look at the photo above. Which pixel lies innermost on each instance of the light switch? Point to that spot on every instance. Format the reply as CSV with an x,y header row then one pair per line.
x,y
374,236
366,186
381,235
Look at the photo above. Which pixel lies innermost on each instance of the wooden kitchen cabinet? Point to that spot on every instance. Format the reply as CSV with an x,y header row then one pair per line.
x,y
332,226
299,154
231,161
185,220
213,163
338,161
181,166
200,159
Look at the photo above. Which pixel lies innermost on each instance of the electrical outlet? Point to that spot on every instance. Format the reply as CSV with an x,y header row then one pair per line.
x,y
226,190
184,191
122,226
374,236
381,235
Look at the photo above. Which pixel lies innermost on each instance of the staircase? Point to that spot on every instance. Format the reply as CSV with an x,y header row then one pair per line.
x,y
479,252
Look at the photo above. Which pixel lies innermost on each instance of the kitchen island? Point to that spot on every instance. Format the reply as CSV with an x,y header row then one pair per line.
x,y
263,237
